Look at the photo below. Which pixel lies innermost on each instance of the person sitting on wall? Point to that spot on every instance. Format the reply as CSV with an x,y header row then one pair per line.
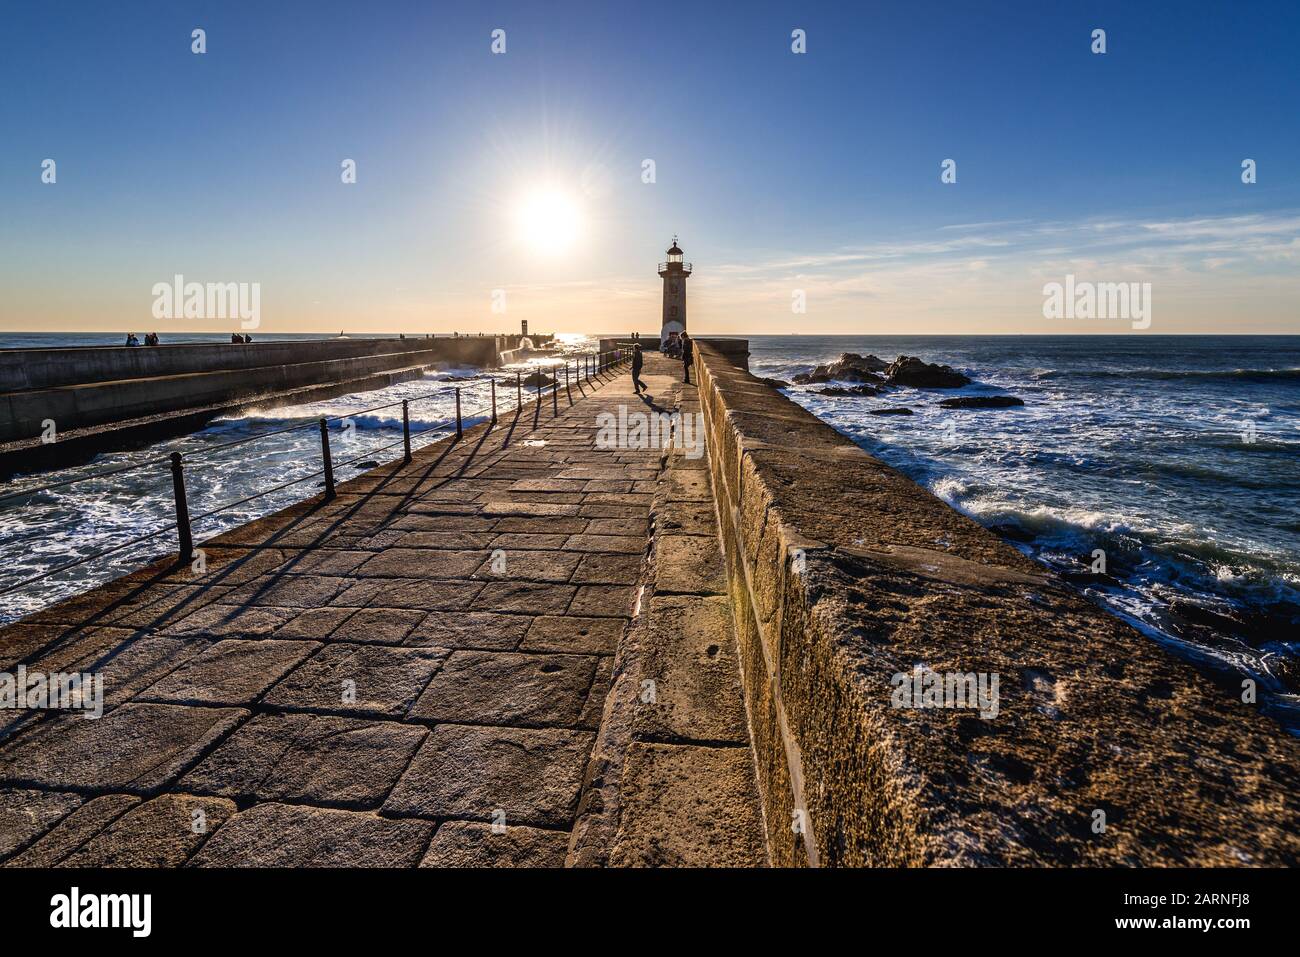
x,y
234,338
131,340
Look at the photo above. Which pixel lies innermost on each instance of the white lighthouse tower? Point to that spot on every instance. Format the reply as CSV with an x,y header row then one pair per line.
x,y
674,273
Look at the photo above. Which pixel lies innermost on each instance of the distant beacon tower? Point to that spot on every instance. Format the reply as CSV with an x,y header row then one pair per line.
x,y
523,327
674,273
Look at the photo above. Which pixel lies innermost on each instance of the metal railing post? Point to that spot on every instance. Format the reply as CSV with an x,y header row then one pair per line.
x,y
406,432
182,510
494,401
519,392
555,394
325,456
459,431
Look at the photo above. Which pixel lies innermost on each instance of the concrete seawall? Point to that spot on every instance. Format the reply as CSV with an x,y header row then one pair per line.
x,y
84,387
1104,750
49,368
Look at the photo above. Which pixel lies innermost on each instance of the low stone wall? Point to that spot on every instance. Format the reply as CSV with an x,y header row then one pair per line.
x,y
213,375
850,584
50,368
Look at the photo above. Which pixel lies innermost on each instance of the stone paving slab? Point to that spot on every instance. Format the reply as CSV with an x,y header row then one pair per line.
x,y
689,807
573,634
73,831
464,844
484,687
690,565
231,672
163,832
384,626
693,663
308,759
474,629
282,835
531,775
137,747
26,814
373,680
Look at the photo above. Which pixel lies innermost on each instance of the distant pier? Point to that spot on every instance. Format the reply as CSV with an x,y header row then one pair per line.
x,y
99,397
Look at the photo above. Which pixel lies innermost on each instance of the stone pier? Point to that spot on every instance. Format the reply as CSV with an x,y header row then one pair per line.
x,y
536,647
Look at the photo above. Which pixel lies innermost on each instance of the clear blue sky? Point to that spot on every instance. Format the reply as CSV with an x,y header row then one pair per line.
x,y
817,172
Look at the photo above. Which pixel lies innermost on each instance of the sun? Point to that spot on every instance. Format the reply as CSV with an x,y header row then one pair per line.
x,y
548,221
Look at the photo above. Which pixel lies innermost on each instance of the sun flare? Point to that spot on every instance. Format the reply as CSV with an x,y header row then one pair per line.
x,y
548,221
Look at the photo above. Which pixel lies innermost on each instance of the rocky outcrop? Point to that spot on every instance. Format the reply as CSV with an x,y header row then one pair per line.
x,y
898,411
839,390
849,367
911,371
982,402
537,380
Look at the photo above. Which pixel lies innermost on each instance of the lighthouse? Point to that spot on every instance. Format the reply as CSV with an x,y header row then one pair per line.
x,y
674,273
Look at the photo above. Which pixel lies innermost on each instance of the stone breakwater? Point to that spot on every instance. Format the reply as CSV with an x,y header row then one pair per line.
x,y
85,387
528,647
843,574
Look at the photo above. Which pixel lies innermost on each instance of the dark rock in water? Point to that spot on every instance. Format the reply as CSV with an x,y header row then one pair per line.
x,y
899,411
366,465
911,371
1012,531
538,379
806,378
982,402
1287,671
1085,577
1274,622
849,367
868,363
851,390
775,383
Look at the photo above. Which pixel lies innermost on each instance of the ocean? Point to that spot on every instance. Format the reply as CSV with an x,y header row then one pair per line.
x,y
1177,458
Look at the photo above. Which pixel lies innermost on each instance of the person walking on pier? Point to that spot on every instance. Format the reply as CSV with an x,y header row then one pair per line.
x,y
638,361
688,357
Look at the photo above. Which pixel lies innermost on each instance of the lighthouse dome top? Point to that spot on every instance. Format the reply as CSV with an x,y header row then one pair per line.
x,y
674,265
